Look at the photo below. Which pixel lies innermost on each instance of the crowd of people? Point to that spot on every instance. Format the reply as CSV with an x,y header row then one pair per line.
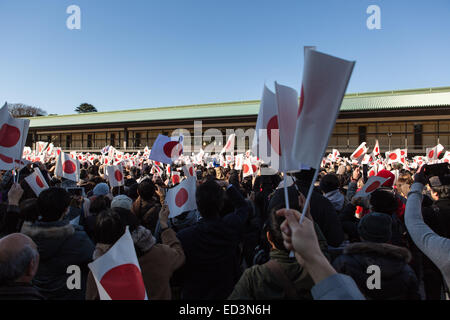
x,y
237,243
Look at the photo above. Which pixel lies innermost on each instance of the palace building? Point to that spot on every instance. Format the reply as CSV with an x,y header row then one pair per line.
x,y
412,119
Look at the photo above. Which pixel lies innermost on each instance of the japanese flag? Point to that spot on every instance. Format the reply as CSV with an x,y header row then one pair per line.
x,y
433,153
372,184
117,273
36,181
188,170
287,103
446,157
266,141
239,161
404,153
372,172
394,156
376,149
13,135
182,197
325,80
67,167
359,152
7,163
247,168
115,175
229,146
176,177
166,149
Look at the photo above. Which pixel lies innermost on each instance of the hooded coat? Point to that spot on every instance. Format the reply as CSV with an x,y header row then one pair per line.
x,y
398,280
60,245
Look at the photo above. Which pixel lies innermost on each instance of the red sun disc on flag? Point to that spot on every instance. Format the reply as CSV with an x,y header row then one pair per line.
x,y
39,182
393,156
359,153
172,147
228,145
371,173
273,125
402,153
58,151
254,168
302,99
431,154
69,167
9,136
124,282
181,197
373,186
5,158
191,171
175,179
118,175
245,168
376,150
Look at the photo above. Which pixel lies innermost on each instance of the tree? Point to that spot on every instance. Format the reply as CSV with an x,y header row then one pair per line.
x,y
19,110
85,107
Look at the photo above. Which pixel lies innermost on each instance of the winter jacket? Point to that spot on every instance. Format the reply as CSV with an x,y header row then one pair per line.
x,y
157,264
337,287
258,282
60,245
398,281
212,256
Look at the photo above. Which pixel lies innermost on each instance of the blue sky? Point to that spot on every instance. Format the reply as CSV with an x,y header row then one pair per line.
x,y
146,53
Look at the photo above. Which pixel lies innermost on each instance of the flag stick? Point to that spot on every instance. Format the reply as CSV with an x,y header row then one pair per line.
x,y
286,197
308,197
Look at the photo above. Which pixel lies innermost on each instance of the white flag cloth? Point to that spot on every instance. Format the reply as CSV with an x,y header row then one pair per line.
x,y
287,103
372,184
182,197
266,141
239,161
115,175
359,152
229,146
117,273
36,181
13,135
325,80
166,149
67,167
446,157
41,146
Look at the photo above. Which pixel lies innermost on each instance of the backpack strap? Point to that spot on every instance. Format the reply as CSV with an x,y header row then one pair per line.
x,y
280,276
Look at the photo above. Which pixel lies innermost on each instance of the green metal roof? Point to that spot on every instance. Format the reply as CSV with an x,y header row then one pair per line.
x,y
417,98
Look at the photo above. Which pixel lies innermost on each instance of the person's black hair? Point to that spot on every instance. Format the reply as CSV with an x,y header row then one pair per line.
x,y
384,200
93,170
443,192
52,203
146,189
99,204
127,218
118,190
211,172
329,182
83,174
304,176
273,227
29,210
210,198
108,227
132,191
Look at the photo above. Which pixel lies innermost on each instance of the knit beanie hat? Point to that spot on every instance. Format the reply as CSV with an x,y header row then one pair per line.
x,y
375,227
329,182
101,189
122,201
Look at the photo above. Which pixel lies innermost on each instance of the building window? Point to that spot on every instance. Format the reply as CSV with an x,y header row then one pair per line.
x,y
89,141
49,139
137,141
418,130
113,139
68,141
362,133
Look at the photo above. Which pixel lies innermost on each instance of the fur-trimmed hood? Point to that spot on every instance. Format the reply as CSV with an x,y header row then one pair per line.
x,y
49,230
382,249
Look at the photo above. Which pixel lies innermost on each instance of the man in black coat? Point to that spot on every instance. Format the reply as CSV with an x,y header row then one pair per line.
x,y
211,245
397,280
19,260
